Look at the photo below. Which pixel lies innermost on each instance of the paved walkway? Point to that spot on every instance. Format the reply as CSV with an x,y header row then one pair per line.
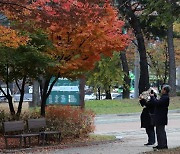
x,y
131,137
127,128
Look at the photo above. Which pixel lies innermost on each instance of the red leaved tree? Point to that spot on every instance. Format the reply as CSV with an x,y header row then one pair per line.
x,y
81,30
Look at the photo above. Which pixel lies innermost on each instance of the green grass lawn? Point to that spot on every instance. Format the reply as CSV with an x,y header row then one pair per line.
x,y
122,106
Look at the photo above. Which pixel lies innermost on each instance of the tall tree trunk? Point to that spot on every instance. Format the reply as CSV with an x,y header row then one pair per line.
x,y
127,80
10,102
44,96
144,73
126,8
21,97
35,94
7,94
172,65
82,92
166,66
46,88
11,107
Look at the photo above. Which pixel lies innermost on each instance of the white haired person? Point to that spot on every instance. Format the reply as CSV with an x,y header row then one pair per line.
x,y
146,121
161,116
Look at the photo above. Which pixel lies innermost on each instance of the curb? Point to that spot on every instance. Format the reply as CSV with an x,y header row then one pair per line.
x,y
131,114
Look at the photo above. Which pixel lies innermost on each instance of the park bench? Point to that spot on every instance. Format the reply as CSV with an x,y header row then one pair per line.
x,y
15,129
39,125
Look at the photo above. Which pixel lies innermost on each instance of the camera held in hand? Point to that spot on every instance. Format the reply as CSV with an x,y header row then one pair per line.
x,y
152,92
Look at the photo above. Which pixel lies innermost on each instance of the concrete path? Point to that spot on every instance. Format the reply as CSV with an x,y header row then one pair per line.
x,y
131,136
127,127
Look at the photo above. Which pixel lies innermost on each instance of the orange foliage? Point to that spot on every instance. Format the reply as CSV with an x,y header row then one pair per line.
x,y
81,30
10,38
72,121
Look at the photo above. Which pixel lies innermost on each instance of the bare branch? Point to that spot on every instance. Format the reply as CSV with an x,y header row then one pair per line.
x,y
14,4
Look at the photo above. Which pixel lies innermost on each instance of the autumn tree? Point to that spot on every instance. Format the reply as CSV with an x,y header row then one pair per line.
x,y
80,30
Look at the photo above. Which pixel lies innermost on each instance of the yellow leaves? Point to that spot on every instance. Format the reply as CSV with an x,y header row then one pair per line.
x,y
176,27
177,51
10,38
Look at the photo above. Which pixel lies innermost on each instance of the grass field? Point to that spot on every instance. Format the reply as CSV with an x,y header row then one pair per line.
x,y
123,106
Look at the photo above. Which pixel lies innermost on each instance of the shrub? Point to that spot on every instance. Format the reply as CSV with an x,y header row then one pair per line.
x,y
5,116
2,118
71,121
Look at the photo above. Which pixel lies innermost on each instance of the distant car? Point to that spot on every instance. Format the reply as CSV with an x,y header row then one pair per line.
x,y
132,95
114,95
2,97
27,97
90,97
118,96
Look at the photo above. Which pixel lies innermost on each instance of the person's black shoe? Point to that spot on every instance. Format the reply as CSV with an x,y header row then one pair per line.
x,y
159,148
165,147
156,147
149,144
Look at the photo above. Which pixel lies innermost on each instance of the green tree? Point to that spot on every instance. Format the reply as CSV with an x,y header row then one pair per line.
x,y
158,62
159,17
23,64
106,75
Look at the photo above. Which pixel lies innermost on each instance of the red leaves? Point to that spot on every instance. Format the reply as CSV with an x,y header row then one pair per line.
x,y
86,29
72,121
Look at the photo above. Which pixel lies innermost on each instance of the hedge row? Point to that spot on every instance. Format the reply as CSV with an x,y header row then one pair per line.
x,y
73,122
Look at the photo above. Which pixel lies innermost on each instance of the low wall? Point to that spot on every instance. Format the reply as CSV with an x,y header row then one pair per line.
x,y
5,106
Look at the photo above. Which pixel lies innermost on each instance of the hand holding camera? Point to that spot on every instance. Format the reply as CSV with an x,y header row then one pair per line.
x,y
151,93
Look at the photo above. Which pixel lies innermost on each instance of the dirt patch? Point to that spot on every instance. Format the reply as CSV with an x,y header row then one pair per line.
x,y
5,106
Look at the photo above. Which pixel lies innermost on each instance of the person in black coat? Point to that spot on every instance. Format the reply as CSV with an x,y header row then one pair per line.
x,y
161,119
146,122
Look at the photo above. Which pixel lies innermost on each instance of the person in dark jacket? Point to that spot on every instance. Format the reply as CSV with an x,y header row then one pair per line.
x,y
161,119
148,109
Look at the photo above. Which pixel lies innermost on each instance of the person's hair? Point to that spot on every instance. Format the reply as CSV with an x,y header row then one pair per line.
x,y
167,88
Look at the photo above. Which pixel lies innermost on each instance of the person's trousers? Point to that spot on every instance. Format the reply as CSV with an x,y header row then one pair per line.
x,y
161,136
151,134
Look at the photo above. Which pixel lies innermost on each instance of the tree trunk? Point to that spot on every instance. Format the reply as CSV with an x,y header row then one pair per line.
x,y
127,80
35,94
21,97
166,65
144,74
126,8
172,65
99,93
108,93
46,88
82,92
11,107
44,96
